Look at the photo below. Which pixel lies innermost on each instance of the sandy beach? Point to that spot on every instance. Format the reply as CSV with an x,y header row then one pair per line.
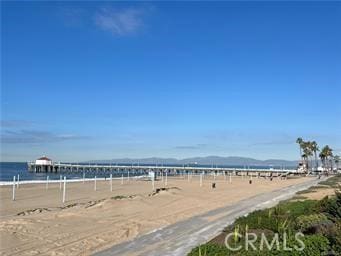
x,y
37,222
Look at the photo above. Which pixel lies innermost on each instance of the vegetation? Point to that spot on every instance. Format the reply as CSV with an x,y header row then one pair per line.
x,y
314,148
309,149
332,182
326,156
318,221
337,161
299,141
120,197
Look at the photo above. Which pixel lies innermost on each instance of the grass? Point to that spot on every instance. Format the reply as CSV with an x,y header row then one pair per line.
x,y
120,197
332,182
297,197
306,191
319,187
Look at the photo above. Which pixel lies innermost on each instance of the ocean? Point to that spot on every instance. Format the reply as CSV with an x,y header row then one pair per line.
x,y
8,170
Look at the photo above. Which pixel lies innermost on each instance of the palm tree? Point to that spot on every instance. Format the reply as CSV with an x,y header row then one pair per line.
x,y
307,152
337,161
314,147
327,154
330,157
299,141
322,155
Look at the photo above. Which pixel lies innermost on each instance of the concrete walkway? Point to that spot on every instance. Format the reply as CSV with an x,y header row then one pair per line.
x,y
179,238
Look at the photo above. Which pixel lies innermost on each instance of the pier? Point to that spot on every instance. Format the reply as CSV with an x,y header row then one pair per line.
x,y
54,167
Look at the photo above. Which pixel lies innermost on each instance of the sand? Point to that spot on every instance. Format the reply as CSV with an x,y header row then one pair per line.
x,y
320,193
89,221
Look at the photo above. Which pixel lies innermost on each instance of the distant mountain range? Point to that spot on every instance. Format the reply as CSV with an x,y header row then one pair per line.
x,y
208,160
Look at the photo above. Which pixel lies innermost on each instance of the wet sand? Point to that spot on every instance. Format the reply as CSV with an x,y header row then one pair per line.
x,y
89,221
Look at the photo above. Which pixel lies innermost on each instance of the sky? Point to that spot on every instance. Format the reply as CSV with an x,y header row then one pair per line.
x,y
102,80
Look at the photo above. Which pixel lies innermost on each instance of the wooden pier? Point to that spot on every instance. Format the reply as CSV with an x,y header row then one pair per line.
x,y
144,169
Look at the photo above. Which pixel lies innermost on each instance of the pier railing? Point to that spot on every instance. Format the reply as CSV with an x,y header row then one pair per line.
x,y
73,167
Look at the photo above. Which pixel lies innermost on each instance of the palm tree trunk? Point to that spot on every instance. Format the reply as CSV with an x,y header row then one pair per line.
x,y
301,154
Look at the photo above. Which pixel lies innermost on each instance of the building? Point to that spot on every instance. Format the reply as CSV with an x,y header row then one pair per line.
x,y
43,164
44,161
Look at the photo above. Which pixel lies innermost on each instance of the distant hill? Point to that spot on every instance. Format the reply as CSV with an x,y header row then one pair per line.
x,y
208,160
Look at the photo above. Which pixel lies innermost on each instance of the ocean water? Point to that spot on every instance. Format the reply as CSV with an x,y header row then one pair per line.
x,y
8,170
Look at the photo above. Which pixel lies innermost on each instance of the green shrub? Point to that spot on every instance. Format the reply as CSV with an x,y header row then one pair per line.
x,y
304,222
320,221
315,245
299,208
331,206
257,220
209,249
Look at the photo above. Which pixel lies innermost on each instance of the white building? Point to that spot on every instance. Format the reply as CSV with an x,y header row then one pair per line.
x,y
44,161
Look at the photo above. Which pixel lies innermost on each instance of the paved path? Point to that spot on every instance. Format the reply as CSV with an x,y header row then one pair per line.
x,y
179,238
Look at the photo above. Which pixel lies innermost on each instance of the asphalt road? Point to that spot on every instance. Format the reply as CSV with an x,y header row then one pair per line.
x,y
179,238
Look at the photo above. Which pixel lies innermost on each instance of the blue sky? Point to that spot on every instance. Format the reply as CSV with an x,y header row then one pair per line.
x,y
92,80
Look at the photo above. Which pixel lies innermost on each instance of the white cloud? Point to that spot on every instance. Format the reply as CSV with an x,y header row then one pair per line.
x,y
15,123
34,136
120,22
